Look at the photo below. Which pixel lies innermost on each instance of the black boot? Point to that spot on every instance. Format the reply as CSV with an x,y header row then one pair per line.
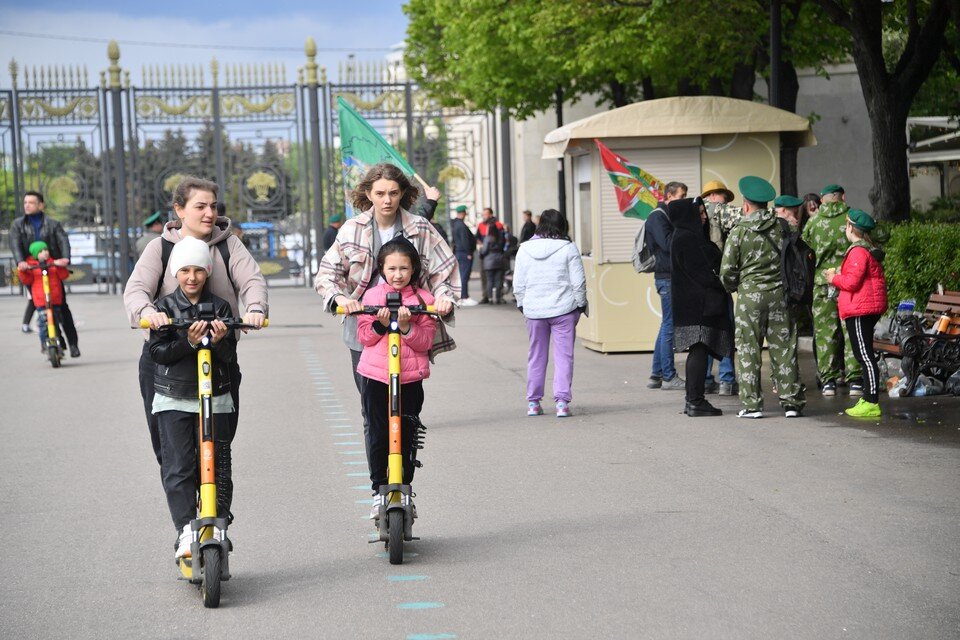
x,y
701,409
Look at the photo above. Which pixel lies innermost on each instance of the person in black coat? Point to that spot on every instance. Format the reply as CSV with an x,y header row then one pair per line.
x,y
701,320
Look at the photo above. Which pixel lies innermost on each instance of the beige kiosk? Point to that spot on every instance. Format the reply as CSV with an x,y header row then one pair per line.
x,y
689,139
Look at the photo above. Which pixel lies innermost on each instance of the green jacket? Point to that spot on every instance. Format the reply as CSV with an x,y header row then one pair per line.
x,y
751,255
825,235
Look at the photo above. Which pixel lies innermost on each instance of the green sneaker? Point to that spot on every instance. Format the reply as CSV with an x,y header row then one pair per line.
x,y
864,409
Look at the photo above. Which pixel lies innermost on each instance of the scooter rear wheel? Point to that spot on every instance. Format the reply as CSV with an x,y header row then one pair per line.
x,y
395,536
210,587
53,354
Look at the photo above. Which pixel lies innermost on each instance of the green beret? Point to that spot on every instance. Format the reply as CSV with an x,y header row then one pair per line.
x,y
336,218
152,219
787,201
861,220
36,247
831,188
756,189
461,208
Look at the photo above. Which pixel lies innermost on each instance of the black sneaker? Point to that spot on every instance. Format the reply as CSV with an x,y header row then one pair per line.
x,y
701,409
829,389
856,388
655,382
74,351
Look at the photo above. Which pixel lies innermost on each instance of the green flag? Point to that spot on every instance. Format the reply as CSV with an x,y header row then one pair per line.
x,y
361,147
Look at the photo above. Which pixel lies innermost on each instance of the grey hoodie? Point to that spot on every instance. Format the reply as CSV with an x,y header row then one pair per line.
x,y
548,278
251,292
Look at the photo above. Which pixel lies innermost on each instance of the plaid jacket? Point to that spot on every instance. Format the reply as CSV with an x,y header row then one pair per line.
x,y
347,267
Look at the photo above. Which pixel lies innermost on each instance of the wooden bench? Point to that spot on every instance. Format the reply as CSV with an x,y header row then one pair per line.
x,y
936,355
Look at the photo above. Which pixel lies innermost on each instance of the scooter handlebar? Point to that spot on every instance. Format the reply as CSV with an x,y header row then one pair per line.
x,y
372,310
179,323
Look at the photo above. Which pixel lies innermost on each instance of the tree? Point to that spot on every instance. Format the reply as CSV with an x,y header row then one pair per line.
x,y
889,90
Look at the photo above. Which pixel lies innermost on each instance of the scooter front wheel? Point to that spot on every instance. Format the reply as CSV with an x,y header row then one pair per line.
x,y
53,354
395,536
210,587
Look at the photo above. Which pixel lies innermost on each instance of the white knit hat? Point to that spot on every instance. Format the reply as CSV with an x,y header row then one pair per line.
x,y
190,252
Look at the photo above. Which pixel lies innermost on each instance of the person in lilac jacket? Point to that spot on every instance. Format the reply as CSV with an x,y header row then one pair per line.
x,y
399,264
551,291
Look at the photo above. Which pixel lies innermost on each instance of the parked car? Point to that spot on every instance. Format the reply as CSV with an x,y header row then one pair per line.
x,y
99,267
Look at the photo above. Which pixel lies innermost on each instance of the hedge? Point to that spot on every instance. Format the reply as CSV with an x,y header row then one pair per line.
x,y
920,256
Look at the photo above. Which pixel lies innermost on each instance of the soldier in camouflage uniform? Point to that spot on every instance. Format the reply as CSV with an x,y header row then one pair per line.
x,y
826,236
751,267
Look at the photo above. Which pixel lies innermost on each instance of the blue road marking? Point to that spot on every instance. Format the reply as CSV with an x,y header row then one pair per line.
x,y
361,487
344,444
431,636
357,474
354,462
419,605
405,578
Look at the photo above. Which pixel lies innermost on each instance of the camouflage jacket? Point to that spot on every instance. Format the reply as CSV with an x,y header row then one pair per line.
x,y
825,235
722,218
751,257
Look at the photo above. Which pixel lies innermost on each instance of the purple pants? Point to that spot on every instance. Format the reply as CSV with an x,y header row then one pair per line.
x,y
562,331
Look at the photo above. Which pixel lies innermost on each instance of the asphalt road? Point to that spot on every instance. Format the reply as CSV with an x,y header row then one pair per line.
x,y
627,520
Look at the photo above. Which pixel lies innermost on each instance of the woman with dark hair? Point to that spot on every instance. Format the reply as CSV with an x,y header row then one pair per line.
x,y
349,267
234,277
491,251
701,317
809,208
551,291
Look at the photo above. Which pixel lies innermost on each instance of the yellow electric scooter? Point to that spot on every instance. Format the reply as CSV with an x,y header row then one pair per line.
x,y
395,521
210,543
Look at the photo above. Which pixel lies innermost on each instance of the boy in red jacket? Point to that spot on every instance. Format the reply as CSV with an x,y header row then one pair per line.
x,y
40,257
862,300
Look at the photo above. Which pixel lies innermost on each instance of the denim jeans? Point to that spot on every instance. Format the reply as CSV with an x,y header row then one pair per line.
x,y
725,369
465,264
663,366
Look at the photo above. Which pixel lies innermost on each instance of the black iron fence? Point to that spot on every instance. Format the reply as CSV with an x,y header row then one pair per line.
x,y
107,156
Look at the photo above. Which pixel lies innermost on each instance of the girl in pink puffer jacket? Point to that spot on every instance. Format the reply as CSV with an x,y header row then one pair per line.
x,y
862,300
398,263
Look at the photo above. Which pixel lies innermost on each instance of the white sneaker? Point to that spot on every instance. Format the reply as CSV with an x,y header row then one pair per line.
x,y
468,302
375,507
183,545
792,413
753,415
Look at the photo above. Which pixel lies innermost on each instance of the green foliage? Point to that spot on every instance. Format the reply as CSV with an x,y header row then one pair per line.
x,y
921,256
946,209
516,55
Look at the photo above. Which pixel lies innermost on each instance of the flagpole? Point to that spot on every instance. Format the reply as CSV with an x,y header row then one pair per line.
x,y
420,180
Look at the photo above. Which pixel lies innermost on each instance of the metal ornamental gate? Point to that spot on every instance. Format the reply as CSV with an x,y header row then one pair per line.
x,y
106,157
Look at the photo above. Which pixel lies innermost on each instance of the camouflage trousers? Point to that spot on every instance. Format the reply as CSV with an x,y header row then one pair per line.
x,y
759,315
833,348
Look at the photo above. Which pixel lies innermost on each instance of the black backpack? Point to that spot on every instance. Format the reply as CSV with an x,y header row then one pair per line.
x,y
797,265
